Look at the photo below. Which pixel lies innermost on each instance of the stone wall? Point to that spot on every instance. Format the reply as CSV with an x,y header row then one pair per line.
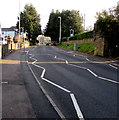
x,y
79,41
99,46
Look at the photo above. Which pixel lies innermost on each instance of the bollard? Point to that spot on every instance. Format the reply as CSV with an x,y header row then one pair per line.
x,y
75,46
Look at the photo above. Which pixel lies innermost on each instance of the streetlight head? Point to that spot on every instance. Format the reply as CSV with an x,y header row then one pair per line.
x,y
59,17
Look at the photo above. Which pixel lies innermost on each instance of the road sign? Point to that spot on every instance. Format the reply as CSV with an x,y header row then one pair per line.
x,y
71,35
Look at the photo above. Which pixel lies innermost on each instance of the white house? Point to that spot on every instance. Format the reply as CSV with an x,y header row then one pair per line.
x,y
8,32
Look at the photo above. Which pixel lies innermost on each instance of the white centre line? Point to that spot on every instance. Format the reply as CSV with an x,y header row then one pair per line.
x,y
58,86
78,111
42,76
87,59
94,74
113,66
109,80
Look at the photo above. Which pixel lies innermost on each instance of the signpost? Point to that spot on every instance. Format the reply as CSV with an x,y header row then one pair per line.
x,y
71,32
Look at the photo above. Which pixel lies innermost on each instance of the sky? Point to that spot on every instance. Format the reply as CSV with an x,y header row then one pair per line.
x,y
9,9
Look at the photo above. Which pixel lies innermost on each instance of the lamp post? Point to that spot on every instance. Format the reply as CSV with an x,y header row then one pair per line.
x,y
60,31
19,24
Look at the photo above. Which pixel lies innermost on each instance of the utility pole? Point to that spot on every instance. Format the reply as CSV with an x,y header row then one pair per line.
x,y
60,31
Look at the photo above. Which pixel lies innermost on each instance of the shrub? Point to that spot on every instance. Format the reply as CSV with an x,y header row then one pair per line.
x,y
82,36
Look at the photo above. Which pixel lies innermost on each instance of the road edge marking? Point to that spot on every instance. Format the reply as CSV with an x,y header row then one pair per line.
x,y
46,94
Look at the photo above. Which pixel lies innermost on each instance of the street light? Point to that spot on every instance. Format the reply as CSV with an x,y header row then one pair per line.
x,y
19,23
60,31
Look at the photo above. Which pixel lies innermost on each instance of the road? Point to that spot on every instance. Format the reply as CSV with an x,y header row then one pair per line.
x,y
67,84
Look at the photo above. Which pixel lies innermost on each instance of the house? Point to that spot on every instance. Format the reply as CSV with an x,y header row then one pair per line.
x,y
9,32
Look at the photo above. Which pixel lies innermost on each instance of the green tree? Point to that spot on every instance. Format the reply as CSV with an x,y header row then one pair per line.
x,y
30,21
52,27
70,20
107,26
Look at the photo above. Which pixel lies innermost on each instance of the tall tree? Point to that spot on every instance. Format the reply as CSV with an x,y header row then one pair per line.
x,y
30,21
70,20
52,28
107,26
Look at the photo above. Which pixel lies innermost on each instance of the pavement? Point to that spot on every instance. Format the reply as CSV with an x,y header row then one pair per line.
x,y
15,99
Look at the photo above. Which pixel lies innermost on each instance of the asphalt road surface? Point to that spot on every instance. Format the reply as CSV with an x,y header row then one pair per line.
x,y
66,84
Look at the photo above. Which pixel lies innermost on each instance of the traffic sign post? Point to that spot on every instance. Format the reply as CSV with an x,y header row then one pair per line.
x,y
71,32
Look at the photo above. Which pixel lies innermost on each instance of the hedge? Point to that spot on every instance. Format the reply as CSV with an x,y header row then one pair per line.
x,y
80,36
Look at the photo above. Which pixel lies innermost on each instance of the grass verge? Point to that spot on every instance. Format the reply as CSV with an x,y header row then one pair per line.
x,y
82,47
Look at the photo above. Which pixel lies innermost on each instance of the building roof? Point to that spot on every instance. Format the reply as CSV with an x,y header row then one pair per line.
x,y
9,29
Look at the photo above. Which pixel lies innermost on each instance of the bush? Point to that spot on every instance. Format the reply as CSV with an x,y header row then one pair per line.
x,y
64,39
82,36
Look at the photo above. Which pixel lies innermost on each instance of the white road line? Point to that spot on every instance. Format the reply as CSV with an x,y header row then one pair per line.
x,y
113,66
78,66
92,72
27,52
43,73
67,62
42,76
87,59
39,66
46,94
78,111
79,114
108,80
4,82
56,85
